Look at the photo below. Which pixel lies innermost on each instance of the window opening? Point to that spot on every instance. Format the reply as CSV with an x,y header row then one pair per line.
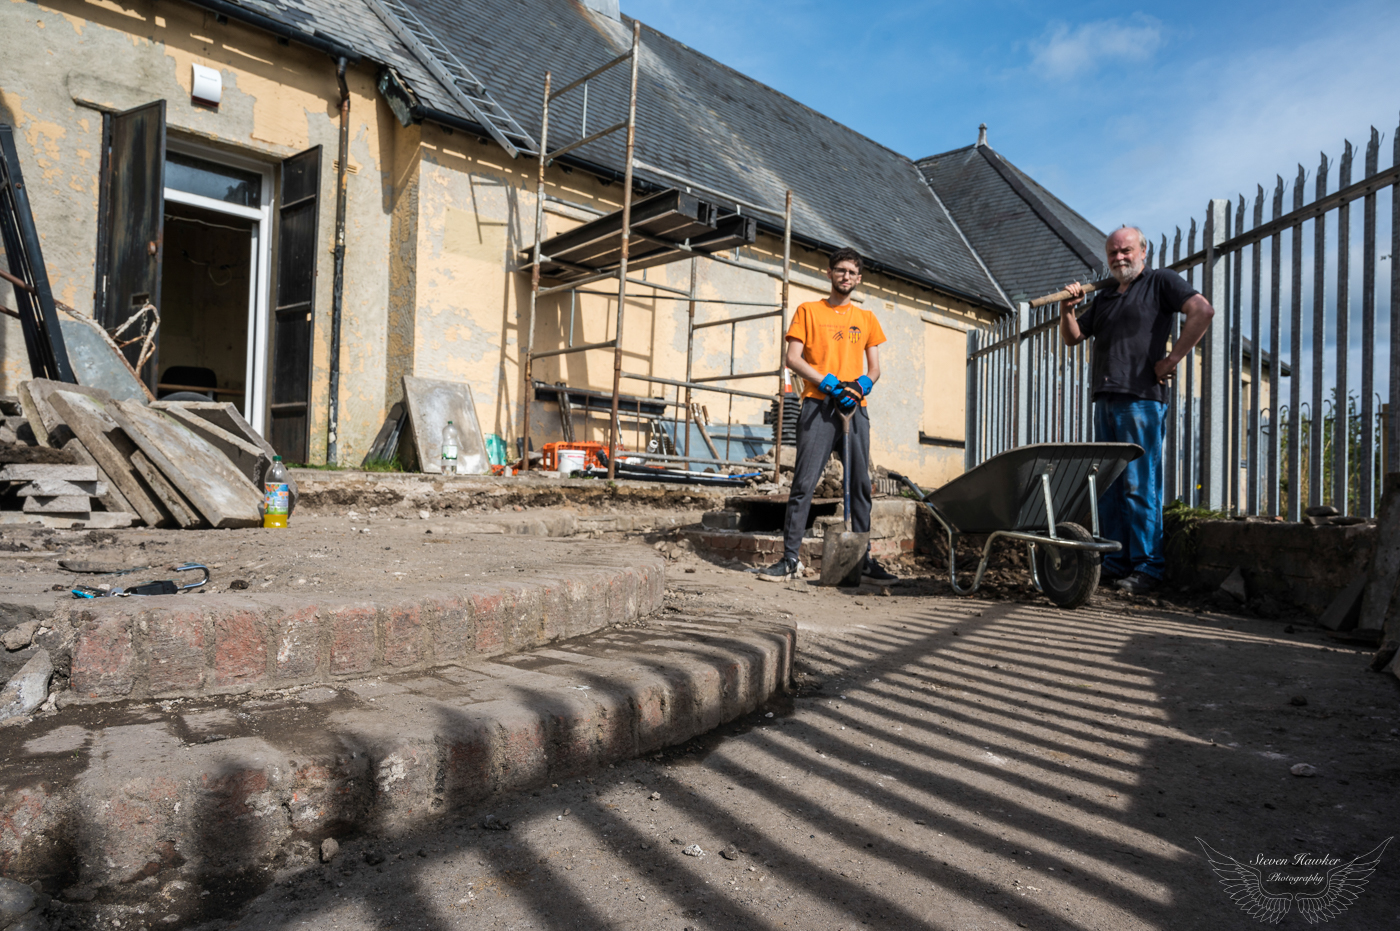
x,y
195,175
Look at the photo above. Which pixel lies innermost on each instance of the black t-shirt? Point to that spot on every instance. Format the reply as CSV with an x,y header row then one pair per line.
x,y
1130,333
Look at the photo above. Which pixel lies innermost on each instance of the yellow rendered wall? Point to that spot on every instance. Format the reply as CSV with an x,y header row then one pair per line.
x,y
436,224
475,215
66,61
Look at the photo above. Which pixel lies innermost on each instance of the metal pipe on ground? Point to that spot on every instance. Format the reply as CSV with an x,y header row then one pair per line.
x,y
338,287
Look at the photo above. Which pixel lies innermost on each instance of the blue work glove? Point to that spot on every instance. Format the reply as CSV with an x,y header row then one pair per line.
x,y
865,385
846,396
829,385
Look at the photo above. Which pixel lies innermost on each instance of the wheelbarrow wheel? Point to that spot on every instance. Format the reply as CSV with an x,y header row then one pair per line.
x,y
1072,584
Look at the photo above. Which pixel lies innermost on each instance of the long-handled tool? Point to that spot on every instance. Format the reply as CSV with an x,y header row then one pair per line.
x,y
1065,295
843,551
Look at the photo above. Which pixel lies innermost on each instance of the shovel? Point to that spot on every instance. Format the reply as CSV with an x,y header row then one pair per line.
x,y
843,551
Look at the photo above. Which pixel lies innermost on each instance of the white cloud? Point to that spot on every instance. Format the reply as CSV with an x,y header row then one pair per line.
x,y
1283,104
1066,51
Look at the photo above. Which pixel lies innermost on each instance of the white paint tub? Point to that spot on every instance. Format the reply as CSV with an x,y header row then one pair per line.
x,y
571,460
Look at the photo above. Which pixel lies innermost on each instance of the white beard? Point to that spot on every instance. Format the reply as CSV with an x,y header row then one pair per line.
x,y
1126,273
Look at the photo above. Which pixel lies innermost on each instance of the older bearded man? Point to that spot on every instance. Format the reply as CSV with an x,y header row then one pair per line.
x,y
1130,369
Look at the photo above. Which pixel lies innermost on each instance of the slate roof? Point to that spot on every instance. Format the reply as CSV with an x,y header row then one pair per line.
x,y
696,117
1032,241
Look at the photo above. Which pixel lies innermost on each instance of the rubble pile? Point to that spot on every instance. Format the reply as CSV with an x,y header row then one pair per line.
x,y
73,456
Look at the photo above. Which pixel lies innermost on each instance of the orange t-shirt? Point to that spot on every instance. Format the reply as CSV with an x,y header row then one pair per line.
x,y
834,340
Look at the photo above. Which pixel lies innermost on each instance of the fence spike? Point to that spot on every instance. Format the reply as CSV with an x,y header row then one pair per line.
x,y
1317,490
1391,457
1369,409
1026,379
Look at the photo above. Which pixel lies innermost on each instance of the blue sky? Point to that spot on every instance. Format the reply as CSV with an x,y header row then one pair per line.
x,y
1129,115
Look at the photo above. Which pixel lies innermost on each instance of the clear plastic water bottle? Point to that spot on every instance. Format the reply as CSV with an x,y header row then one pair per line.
x,y
277,494
451,442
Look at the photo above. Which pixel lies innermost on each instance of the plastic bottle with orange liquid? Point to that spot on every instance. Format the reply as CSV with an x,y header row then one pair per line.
x,y
277,495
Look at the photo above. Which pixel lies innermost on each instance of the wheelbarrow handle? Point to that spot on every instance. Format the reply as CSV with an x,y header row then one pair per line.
x,y
910,485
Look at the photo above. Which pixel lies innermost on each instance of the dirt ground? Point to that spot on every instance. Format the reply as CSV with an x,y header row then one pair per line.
x,y
944,763
363,555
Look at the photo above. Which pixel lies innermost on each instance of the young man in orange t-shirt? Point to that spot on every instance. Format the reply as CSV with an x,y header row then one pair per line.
x,y
832,345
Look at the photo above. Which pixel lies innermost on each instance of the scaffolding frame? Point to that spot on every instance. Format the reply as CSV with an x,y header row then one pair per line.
x,y
575,287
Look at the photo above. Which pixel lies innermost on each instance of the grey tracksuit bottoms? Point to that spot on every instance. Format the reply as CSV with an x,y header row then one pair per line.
x,y
818,436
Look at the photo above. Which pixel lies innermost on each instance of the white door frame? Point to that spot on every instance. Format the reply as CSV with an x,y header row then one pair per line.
x,y
259,288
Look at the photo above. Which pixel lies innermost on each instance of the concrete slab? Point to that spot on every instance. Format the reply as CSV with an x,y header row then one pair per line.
x,y
180,510
109,447
1345,608
431,404
1383,574
223,495
249,459
93,801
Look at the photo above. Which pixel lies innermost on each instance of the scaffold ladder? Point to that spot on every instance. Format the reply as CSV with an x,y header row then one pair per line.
x,y
456,77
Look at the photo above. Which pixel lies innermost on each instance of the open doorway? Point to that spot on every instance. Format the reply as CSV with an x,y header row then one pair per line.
x,y
213,281
207,286
188,229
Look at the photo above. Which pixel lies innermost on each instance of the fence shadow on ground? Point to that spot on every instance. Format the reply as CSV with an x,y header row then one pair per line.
x,y
971,765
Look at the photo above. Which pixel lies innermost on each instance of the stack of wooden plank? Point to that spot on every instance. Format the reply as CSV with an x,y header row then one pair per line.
x,y
58,496
166,464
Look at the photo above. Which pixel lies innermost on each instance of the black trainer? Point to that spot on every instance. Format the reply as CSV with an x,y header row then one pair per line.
x,y
878,574
781,571
1136,584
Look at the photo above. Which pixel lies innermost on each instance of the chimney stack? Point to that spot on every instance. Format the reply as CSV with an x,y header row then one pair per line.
x,y
982,134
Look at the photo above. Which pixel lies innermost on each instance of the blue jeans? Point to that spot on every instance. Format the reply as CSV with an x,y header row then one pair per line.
x,y
1130,510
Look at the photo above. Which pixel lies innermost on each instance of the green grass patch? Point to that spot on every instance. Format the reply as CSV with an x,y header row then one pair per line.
x,y
382,465
1180,523
370,465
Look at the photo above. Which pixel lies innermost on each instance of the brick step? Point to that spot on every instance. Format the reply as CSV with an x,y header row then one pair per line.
x,y
182,645
182,799
761,549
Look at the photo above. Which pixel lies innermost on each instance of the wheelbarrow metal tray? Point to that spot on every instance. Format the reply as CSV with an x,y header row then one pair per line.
x,y
1005,493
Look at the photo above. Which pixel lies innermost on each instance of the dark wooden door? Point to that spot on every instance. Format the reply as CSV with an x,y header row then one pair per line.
x,y
131,243
293,313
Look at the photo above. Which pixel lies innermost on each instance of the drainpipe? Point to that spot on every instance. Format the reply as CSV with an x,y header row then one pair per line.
x,y
338,288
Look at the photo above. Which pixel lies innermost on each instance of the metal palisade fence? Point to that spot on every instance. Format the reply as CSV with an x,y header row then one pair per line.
x,y
1281,407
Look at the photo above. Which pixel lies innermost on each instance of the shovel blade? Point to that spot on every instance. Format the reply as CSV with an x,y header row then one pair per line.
x,y
843,556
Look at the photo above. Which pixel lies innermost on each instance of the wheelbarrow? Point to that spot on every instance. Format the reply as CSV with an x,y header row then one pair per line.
x,y
1024,494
